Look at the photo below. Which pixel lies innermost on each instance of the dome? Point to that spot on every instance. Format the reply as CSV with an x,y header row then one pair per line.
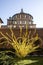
x,y
22,15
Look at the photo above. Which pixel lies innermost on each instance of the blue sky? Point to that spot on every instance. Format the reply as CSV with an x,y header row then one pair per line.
x,y
34,7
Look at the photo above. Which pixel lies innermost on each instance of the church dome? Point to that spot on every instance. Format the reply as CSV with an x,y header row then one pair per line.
x,y
22,16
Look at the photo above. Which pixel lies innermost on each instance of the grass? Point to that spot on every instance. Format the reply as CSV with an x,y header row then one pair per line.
x,y
9,59
40,60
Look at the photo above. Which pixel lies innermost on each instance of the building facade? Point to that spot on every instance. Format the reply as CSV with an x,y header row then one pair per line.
x,y
21,19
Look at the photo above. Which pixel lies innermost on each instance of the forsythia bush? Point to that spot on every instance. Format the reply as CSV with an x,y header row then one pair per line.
x,y
24,44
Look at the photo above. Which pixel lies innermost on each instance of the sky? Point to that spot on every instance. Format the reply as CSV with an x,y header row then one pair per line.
x,y
34,7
